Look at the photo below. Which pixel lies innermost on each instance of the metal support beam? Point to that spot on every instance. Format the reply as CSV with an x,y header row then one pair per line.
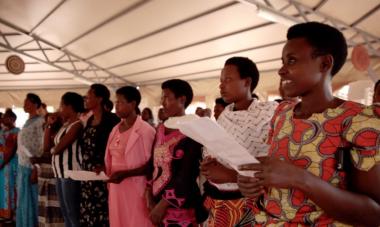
x,y
206,58
191,45
47,16
303,11
165,28
44,47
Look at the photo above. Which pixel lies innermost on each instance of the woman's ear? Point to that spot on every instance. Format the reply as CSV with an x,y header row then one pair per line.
x,y
134,104
248,82
182,100
327,62
100,100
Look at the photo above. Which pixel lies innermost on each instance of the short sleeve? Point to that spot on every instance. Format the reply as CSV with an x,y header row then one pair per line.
x,y
363,132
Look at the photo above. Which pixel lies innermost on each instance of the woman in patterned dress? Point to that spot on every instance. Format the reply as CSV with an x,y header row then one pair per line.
x,y
247,121
8,166
174,199
94,194
323,165
29,145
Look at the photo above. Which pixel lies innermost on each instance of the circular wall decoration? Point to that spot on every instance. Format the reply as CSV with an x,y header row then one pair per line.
x,y
360,58
15,64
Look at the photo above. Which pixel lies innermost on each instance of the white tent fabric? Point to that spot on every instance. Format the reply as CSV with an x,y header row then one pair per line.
x,y
68,44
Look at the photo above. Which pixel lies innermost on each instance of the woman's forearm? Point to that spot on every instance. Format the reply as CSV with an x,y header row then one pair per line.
x,y
342,205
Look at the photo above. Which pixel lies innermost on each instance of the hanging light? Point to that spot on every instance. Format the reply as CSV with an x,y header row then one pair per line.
x,y
271,14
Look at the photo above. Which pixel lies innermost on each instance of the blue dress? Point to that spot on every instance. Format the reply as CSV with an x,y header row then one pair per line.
x,y
8,140
29,144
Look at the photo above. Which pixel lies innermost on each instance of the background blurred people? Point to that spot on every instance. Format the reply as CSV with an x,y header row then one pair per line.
x,y
162,116
220,104
147,116
199,111
207,112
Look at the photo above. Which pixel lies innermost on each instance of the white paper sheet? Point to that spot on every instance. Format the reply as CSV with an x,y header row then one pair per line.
x,y
218,142
82,175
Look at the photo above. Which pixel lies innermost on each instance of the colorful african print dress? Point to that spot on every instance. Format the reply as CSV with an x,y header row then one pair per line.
x,y
313,144
250,129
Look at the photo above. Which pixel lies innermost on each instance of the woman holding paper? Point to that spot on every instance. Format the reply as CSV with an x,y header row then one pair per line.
x,y
247,121
29,144
323,167
127,155
174,197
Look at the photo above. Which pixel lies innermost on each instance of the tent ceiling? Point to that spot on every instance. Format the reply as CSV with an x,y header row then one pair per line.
x,y
143,42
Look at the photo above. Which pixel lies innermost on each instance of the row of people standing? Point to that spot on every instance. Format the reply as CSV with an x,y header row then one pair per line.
x,y
72,146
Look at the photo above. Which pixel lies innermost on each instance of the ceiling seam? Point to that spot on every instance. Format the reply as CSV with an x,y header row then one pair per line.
x,y
110,19
157,31
191,45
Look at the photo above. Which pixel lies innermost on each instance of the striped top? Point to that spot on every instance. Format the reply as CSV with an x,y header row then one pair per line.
x,y
70,158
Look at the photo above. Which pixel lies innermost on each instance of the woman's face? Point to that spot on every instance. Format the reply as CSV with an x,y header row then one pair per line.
x,y
123,107
65,111
301,71
91,101
172,105
145,115
29,106
8,121
232,87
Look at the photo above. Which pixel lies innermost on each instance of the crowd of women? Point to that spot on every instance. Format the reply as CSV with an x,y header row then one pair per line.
x,y
318,155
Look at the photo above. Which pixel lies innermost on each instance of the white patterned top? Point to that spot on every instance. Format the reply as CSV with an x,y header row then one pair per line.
x,y
30,140
250,129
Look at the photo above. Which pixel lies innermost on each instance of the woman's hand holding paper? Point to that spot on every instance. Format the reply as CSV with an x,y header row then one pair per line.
x,y
216,172
270,172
